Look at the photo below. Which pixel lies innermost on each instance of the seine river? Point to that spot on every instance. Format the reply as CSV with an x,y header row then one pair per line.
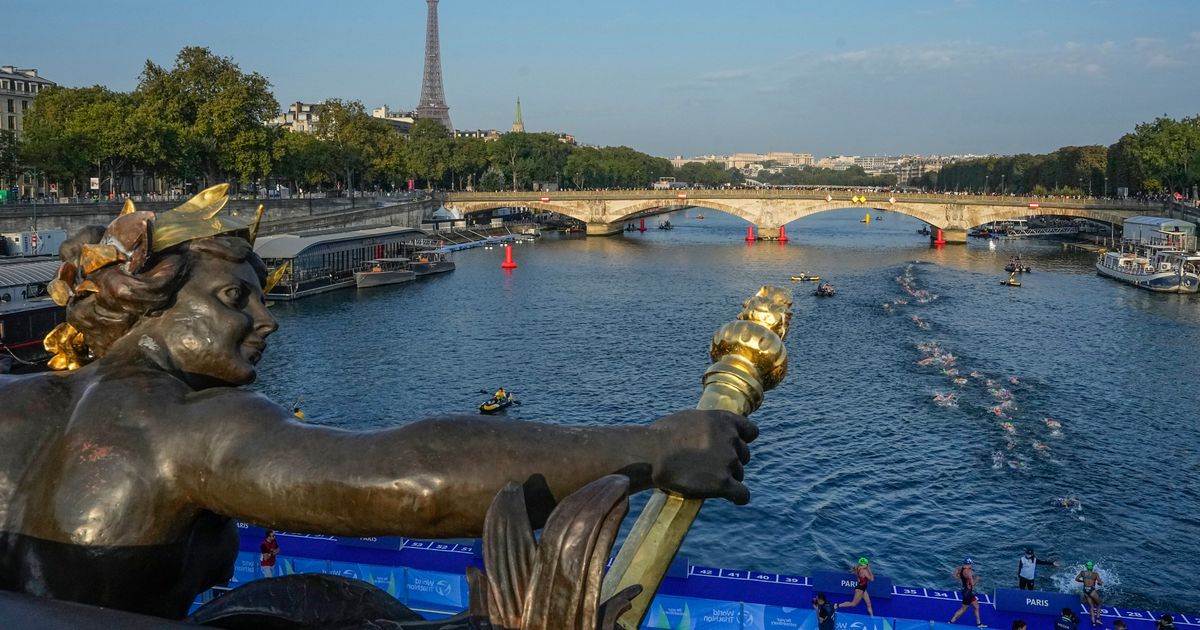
x,y
1072,386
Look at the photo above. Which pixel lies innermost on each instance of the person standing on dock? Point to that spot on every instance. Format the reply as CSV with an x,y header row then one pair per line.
x,y
966,573
1091,581
863,572
826,612
1027,569
267,552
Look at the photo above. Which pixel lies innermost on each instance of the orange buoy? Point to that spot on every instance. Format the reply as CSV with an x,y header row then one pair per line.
x,y
508,261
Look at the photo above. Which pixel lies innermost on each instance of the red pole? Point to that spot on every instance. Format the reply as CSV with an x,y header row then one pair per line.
x,y
750,233
508,261
642,224
939,240
783,234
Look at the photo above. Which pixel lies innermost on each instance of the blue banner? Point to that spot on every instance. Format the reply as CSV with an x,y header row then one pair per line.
x,y
1037,602
847,621
246,568
911,624
843,584
435,590
763,617
940,625
690,613
287,565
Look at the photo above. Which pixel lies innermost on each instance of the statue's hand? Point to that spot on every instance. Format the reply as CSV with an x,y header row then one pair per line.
x,y
700,454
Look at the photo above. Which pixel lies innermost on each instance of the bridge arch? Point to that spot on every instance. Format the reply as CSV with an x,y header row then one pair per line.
x,y
665,206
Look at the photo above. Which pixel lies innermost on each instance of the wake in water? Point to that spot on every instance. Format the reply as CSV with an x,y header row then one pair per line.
x,y
996,397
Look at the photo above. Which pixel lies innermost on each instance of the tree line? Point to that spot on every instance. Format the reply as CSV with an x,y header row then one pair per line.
x,y
1158,157
205,120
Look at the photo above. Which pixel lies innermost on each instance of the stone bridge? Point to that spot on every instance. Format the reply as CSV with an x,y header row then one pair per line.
x,y
607,212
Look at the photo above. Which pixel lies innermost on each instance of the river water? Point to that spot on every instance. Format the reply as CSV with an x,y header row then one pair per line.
x,y
1072,386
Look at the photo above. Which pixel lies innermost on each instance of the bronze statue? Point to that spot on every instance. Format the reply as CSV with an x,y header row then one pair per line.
x,y
119,476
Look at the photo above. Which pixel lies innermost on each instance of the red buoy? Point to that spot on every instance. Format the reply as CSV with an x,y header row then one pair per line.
x,y
508,261
939,240
642,224
750,233
783,234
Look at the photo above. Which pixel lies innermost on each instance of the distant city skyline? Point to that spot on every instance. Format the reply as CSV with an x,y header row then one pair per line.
x,y
683,78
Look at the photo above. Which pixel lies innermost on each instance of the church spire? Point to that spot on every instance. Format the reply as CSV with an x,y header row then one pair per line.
x,y
518,124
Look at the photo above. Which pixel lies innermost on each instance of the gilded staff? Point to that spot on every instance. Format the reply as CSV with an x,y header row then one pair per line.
x,y
749,358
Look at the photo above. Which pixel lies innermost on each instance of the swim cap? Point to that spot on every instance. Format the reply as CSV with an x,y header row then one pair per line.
x,y
862,561
1089,565
968,560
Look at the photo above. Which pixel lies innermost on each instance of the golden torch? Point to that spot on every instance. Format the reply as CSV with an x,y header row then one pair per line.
x,y
749,358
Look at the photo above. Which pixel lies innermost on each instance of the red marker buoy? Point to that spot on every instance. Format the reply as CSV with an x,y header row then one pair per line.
x,y
939,240
642,224
783,234
750,234
508,261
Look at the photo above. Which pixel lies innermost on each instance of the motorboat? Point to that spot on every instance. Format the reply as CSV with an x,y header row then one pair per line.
x,y
429,262
824,290
1159,268
924,231
383,271
700,216
665,225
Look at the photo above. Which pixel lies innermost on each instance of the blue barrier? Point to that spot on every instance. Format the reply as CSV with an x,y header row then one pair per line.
x,y
1037,602
963,623
764,617
691,613
911,624
434,590
844,583
847,621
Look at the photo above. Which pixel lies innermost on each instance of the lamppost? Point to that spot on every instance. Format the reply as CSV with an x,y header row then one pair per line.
x,y
985,183
1106,186
1003,190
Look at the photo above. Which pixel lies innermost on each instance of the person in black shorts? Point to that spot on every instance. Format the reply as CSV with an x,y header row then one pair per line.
x,y
966,573
862,571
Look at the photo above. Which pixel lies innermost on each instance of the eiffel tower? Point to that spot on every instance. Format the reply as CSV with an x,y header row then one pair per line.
x,y
433,99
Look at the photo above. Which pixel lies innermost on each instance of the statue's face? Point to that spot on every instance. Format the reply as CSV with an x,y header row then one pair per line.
x,y
217,329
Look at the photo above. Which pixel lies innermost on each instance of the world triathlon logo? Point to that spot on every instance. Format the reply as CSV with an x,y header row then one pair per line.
x,y
442,588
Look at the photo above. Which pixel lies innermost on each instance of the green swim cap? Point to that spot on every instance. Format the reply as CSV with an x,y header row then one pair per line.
x,y
1089,565
862,561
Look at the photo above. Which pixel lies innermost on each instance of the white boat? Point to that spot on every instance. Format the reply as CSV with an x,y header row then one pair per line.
x,y
382,271
1157,268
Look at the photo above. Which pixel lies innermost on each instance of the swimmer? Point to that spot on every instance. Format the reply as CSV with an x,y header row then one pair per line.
x,y
966,573
1007,405
960,381
1053,424
998,412
1009,427
862,571
975,374
1011,445
998,458
1069,503
1091,581
1013,380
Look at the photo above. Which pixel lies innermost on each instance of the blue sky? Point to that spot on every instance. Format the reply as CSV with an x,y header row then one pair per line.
x,y
678,77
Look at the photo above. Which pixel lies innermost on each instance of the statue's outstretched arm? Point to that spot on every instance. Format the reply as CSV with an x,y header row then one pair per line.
x,y
437,477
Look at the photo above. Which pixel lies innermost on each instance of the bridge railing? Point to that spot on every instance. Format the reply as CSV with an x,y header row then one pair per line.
x,y
873,198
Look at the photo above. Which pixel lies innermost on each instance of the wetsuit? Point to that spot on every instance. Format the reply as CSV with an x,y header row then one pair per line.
x,y
968,588
863,582
1089,590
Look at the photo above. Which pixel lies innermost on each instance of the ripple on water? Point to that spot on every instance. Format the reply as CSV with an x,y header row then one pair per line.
x,y
854,457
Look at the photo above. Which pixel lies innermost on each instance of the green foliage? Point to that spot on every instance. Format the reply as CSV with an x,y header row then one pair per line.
x,y
852,176
430,146
1163,155
10,156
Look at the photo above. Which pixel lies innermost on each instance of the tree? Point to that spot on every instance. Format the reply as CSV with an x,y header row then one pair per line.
x,y
429,149
10,157
214,109
468,159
